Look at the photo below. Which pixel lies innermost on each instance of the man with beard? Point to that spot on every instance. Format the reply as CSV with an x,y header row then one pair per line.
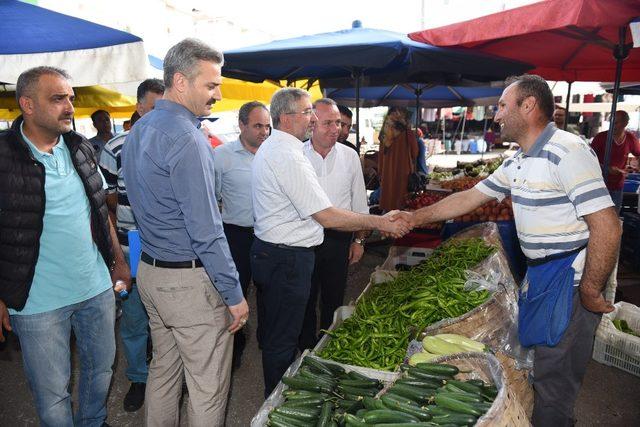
x,y
60,256
290,210
233,190
186,278
101,120
340,176
568,230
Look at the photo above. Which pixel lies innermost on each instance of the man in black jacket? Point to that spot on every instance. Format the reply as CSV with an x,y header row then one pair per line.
x,y
59,256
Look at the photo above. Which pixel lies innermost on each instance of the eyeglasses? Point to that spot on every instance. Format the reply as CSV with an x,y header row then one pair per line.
x,y
307,112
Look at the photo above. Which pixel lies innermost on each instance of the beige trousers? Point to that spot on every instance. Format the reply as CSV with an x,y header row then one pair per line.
x,y
188,323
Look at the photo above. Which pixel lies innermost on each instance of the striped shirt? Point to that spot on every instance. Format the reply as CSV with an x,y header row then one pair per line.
x,y
552,187
111,166
286,192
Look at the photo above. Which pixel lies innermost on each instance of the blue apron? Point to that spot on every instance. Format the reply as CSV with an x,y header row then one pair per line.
x,y
545,299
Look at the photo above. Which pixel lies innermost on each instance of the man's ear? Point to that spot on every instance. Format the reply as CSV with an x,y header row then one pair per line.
x,y
529,104
27,105
180,82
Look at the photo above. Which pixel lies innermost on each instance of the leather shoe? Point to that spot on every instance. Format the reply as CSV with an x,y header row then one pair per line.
x,y
134,398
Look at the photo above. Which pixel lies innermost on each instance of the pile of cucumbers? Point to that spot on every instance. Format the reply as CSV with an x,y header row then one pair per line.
x,y
323,394
320,394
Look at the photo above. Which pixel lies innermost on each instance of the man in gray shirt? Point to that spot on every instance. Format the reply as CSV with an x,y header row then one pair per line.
x,y
187,279
233,190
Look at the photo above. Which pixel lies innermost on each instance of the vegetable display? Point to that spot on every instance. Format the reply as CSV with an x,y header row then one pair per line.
x,y
443,345
325,395
390,314
623,326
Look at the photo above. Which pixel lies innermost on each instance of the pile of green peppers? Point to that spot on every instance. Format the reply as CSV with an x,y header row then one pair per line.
x,y
391,314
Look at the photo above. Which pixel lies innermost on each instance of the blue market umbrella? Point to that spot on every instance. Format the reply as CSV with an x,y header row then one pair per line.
x,y
377,56
92,54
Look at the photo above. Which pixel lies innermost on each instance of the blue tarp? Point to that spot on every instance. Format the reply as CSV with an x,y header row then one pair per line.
x,y
31,29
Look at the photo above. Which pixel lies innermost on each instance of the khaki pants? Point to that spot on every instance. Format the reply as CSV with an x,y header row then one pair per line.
x,y
188,323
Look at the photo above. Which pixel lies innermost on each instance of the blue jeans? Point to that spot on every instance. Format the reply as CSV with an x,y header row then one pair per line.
x,y
46,354
134,331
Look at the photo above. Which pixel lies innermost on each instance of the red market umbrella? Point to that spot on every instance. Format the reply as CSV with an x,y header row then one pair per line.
x,y
578,40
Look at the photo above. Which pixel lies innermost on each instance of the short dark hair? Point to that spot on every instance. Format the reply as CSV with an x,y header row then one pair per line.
x,y
246,109
28,79
625,116
96,113
149,85
345,111
533,85
183,58
134,118
324,101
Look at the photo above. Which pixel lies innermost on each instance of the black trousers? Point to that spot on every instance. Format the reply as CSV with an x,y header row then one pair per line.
x,y
240,240
558,371
329,280
282,275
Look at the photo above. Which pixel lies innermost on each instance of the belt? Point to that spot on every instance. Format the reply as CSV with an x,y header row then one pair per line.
x,y
238,227
539,261
194,263
290,248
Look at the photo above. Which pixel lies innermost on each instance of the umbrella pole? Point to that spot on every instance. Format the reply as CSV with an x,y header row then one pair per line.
x,y
484,132
566,108
418,93
357,74
620,53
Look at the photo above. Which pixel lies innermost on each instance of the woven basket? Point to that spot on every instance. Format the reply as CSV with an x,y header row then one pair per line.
x,y
518,382
506,410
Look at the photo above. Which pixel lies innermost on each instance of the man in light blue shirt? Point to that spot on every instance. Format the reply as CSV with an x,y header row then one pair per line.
x,y
186,278
233,191
73,257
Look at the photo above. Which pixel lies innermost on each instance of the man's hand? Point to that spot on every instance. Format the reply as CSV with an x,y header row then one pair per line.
x,y
593,300
396,224
240,313
4,319
617,171
356,250
121,272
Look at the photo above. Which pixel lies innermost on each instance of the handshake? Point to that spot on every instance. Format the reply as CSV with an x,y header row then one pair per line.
x,y
396,223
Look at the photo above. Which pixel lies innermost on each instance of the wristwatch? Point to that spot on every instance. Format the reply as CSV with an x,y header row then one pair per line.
x,y
359,241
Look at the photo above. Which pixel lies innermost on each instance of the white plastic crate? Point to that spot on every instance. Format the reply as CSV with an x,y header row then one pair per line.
x,y
616,348
405,255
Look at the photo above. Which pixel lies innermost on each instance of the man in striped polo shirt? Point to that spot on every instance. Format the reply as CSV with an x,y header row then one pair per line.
x,y
563,214
134,321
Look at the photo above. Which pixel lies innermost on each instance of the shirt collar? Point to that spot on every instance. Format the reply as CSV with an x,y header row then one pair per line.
x,y
36,152
287,137
308,145
542,140
237,147
178,109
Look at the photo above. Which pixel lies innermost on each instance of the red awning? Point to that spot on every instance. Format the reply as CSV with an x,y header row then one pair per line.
x,y
565,40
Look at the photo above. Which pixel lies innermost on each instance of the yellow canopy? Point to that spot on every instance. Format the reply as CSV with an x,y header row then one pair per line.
x,y
90,98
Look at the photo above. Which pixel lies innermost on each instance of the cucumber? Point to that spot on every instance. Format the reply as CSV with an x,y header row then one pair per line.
x,y
324,419
354,421
382,416
452,388
317,366
402,399
456,419
468,387
462,397
371,403
419,413
456,405
303,403
439,368
355,375
418,424
419,374
298,383
477,382
278,420
423,383
305,372
303,414
412,392
490,391
361,412
437,410
350,406
302,394
358,391
359,383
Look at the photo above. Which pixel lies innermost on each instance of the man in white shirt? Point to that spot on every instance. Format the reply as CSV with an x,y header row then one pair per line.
x,y
290,210
233,188
340,176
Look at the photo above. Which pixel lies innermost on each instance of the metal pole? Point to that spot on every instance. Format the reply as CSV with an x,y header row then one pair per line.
x,y
358,112
566,109
484,132
620,53
418,93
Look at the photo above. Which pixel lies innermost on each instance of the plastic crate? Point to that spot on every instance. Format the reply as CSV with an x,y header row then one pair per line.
x,y
616,348
407,256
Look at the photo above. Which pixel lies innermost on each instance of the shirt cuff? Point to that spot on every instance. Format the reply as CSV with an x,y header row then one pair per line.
x,y
231,296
